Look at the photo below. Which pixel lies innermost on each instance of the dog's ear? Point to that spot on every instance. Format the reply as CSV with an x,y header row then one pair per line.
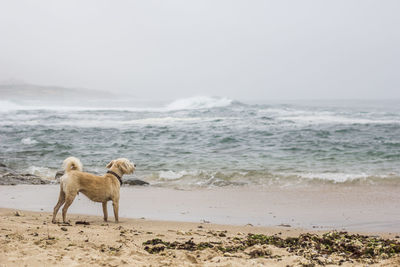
x,y
125,167
109,165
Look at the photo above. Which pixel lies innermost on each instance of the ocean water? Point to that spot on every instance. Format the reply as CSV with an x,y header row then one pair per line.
x,y
211,142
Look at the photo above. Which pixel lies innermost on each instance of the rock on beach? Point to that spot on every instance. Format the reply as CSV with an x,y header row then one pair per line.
x,y
9,176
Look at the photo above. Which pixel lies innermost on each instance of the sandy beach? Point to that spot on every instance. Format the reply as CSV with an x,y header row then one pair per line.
x,y
29,239
204,228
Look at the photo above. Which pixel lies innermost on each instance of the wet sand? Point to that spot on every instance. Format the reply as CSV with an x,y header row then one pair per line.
x,y
355,208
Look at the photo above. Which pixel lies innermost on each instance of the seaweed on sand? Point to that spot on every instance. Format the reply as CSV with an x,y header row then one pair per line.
x,y
330,247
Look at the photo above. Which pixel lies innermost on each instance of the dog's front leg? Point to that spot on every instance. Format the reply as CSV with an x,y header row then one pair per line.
x,y
116,206
105,210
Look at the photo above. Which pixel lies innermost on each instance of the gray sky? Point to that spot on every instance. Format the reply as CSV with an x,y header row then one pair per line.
x,y
244,50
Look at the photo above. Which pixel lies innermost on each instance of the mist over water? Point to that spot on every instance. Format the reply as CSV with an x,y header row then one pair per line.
x,y
209,141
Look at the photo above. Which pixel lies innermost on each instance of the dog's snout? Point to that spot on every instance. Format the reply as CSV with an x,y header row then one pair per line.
x,y
134,165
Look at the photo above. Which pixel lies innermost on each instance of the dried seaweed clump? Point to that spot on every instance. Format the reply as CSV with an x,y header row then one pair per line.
x,y
157,245
330,248
341,244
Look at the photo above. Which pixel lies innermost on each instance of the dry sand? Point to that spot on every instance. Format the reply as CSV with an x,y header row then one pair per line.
x,y
29,239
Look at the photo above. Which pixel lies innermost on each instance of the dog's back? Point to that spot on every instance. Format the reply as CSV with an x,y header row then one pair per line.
x,y
96,188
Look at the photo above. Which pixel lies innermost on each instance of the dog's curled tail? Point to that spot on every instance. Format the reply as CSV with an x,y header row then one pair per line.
x,y
72,164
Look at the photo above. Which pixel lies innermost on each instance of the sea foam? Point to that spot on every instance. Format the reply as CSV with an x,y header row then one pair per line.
x,y
320,119
28,141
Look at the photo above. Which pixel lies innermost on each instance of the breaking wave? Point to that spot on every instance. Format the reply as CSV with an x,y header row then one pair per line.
x,y
199,102
206,179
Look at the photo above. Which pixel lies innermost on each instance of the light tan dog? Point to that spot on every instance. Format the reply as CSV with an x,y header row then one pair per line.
x,y
96,188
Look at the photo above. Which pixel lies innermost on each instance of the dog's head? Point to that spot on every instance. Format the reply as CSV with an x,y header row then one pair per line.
x,y
123,164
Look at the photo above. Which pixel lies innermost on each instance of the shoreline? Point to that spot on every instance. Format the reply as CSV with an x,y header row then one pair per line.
x,y
361,208
29,238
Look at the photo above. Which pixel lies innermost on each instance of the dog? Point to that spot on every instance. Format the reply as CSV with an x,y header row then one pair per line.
x,y
96,188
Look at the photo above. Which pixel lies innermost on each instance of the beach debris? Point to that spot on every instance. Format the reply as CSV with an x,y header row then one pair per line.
x,y
82,222
284,225
43,242
109,249
135,182
222,234
329,248
258,251
9,176
59,174
64,229
15,236
156,245
205,221
18,213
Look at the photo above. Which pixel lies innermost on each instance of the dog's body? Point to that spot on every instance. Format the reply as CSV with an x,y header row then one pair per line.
x,y
96,188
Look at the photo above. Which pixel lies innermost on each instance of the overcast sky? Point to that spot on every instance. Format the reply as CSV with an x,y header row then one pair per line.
x,y
243,50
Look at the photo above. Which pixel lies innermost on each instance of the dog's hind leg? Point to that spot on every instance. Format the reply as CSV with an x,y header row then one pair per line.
x,y
105,210
68,201
61,201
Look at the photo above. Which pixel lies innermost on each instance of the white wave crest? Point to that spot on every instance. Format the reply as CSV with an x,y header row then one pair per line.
x,y
28,141
41,172
176,175
165,120
199,102
326,117
321,119
334,177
